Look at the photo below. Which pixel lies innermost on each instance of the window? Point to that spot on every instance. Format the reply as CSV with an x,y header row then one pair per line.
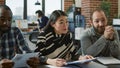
x,y
31,9
51,5
18,5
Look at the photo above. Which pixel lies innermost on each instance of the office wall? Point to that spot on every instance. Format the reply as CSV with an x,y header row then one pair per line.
x,y
119,8
78,3
67,4
88,6
2,2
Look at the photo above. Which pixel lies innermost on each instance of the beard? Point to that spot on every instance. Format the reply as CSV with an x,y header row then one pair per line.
x,y
4,29
99,30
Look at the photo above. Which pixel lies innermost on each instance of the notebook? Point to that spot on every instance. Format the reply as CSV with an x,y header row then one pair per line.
x,y
108,60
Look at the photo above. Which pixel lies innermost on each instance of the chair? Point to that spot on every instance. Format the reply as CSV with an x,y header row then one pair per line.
x,y
33,36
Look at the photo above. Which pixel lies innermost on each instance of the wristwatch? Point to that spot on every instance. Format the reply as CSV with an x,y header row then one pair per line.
x,y
43,59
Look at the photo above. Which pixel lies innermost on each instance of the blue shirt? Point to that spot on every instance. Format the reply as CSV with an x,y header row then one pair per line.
x,y
12,42
42,21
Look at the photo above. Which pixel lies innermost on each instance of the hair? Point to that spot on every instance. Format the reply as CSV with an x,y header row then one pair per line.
x,y
6,8
40,13
97,10
53,18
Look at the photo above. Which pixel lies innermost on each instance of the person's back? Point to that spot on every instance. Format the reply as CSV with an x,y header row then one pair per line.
x,y
42,19
43,23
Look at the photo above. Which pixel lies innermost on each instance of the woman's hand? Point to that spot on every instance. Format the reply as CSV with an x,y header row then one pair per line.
x,y
56,62
85,57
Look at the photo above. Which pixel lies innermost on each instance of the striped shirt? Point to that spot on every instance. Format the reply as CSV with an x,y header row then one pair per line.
x,y
12,42
53,45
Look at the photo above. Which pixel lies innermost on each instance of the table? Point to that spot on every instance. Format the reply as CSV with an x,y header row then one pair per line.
x,y
89,65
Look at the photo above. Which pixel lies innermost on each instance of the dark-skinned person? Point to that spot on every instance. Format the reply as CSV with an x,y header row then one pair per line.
x,y
11,38
55,43
101,39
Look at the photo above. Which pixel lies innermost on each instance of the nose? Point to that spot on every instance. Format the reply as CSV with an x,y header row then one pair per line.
x,y
5,22
66,25
101,23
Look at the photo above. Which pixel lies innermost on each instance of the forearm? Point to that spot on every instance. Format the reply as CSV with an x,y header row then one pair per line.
x,y
115,45
95,48
115,48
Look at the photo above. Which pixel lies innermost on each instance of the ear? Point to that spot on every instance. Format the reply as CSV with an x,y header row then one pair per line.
x,y
52,24
90,22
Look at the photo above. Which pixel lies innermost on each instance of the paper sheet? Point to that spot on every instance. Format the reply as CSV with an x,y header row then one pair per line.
x,y
20,59
80,61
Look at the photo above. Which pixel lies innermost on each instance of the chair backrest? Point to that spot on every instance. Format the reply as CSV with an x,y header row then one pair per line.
x,y
33,36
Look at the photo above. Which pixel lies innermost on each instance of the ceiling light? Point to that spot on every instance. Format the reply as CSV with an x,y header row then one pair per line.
x,y
37,3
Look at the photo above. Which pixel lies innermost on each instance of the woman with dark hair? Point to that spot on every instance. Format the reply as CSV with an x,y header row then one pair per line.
x,y
55,42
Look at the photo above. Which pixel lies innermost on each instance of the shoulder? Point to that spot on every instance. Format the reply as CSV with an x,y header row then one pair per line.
x,y
70,34
44,17
86,33
45,33
116,32
15,29
44,36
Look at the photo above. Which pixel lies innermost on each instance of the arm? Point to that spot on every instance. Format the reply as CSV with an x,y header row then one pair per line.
x,y
52,60
91,45
40,43
21,42
115,45
43,59
44,21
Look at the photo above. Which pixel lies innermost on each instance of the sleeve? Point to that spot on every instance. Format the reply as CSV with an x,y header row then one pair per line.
x,y
22,44
40,43
115,46
73,49
44,20
90,47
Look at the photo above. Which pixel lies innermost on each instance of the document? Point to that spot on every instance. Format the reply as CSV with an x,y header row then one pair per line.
x,y
80,61
20,59
108,60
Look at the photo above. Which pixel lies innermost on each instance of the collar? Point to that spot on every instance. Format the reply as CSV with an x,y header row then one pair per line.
x,y
93,32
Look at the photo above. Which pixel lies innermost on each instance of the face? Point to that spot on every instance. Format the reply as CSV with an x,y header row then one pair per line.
x,y
37,15
61,25
99,21
5,20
